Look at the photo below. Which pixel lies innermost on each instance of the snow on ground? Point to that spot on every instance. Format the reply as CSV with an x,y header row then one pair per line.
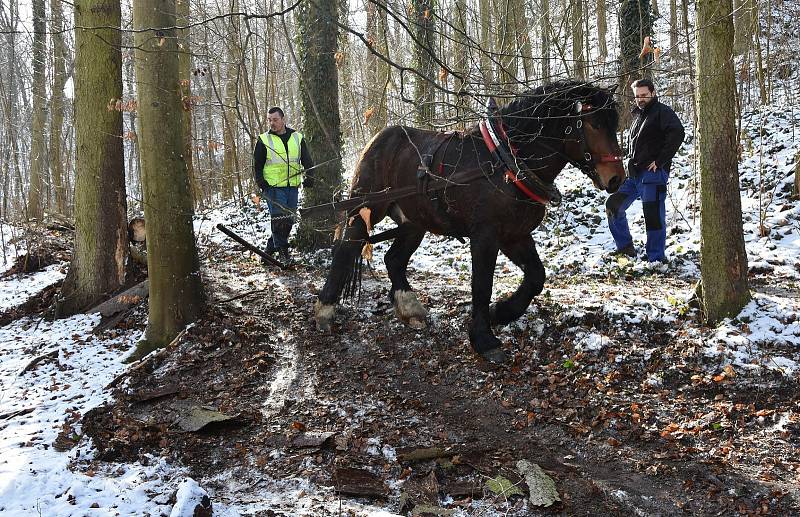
x,y
16,290
51,374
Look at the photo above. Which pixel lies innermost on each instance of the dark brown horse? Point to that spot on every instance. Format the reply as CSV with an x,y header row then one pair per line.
x,y
489,184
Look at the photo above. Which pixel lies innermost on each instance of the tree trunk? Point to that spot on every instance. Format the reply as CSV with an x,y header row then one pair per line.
x,y
377,70
424,30
461,53
544,34
506,45
39,105
635,23
318,32
578,64
602,29
673,27
57,106
101,240
522,26
185,80
230,165
655,8
485,43
723,260
176,289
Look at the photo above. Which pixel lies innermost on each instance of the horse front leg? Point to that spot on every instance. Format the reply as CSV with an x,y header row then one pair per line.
x,y
522,252
343,268
483,248
406,305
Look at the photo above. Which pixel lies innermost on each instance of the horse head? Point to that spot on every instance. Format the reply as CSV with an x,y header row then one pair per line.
x,y
568,122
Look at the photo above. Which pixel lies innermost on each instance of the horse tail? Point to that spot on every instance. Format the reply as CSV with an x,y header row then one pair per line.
x,y
353,276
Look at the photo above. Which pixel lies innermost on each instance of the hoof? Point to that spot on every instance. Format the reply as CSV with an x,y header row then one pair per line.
x,y
323,315
418,324
408,309
495,356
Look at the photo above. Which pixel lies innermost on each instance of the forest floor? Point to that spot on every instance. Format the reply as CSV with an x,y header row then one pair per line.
x,y
626,402
628,415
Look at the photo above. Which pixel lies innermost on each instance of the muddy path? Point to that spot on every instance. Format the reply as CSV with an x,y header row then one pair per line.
x,y
627,416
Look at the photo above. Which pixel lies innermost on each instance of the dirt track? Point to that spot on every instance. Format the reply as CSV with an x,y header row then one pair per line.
x,y
419,407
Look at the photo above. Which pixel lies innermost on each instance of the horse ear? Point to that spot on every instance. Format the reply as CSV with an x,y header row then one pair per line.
x,y
611,89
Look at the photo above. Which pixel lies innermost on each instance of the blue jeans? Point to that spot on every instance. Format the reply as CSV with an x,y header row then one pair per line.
x,y
651,187
282,204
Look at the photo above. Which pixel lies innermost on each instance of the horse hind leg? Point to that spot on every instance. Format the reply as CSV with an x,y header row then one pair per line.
x,y
406,305
521,252
343,272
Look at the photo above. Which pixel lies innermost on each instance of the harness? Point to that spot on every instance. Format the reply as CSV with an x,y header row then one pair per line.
x,y
498,143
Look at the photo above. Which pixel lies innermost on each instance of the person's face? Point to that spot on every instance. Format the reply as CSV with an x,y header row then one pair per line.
x,y
276,122
643,96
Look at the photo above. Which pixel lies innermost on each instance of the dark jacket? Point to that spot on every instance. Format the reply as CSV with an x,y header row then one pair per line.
x,y
260,158
656,134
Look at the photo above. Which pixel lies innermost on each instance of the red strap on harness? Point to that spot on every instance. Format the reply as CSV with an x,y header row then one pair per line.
x,y
510,176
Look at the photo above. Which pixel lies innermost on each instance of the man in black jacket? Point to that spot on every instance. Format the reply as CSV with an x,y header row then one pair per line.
x,y
656,133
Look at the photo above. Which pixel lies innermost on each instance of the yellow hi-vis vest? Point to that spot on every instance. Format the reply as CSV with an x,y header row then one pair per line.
x,y
282,168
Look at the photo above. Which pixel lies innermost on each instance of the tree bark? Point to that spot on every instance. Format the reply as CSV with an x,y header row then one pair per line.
x,y
602,29
673,27
424,30
318,34
230,162
485,43
576,22
185,80
378,72
57,106
176,289
635,22
461,53
723,260
39,106
101,240
544,34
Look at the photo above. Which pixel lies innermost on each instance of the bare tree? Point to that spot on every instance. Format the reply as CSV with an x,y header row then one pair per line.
x,y
97,269
723,259
57,106
321,123
39,101
176,290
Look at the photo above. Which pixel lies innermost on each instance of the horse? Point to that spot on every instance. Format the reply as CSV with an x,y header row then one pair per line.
x,y
491,183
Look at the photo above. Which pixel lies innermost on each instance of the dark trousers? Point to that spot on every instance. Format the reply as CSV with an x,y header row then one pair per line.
x,y
651,188
282,203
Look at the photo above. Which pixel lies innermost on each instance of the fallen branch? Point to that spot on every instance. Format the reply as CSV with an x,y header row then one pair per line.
x,y
36,360
146,359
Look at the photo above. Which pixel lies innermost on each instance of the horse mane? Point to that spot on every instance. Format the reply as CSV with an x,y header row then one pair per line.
x,y
526,114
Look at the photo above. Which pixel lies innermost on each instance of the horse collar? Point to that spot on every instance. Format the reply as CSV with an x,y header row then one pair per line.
x,y
546,195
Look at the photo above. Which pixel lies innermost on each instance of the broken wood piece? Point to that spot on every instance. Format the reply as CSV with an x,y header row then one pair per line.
x,y
427,453
359,482
19,412
312,439
123,301
541,487
157,393
36,360
196,418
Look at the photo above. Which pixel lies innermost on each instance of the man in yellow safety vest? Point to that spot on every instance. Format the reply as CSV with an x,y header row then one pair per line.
x,y
280,162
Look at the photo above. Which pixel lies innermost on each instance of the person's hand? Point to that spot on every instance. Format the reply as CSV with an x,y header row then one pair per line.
x,y
652,167
308,182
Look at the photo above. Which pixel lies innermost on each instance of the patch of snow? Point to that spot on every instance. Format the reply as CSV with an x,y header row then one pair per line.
x,y
15,290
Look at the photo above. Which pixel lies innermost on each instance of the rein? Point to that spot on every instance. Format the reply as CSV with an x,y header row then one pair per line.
x,y
547,193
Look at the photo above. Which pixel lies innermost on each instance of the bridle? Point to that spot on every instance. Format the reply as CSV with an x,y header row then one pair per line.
x,y
499,144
